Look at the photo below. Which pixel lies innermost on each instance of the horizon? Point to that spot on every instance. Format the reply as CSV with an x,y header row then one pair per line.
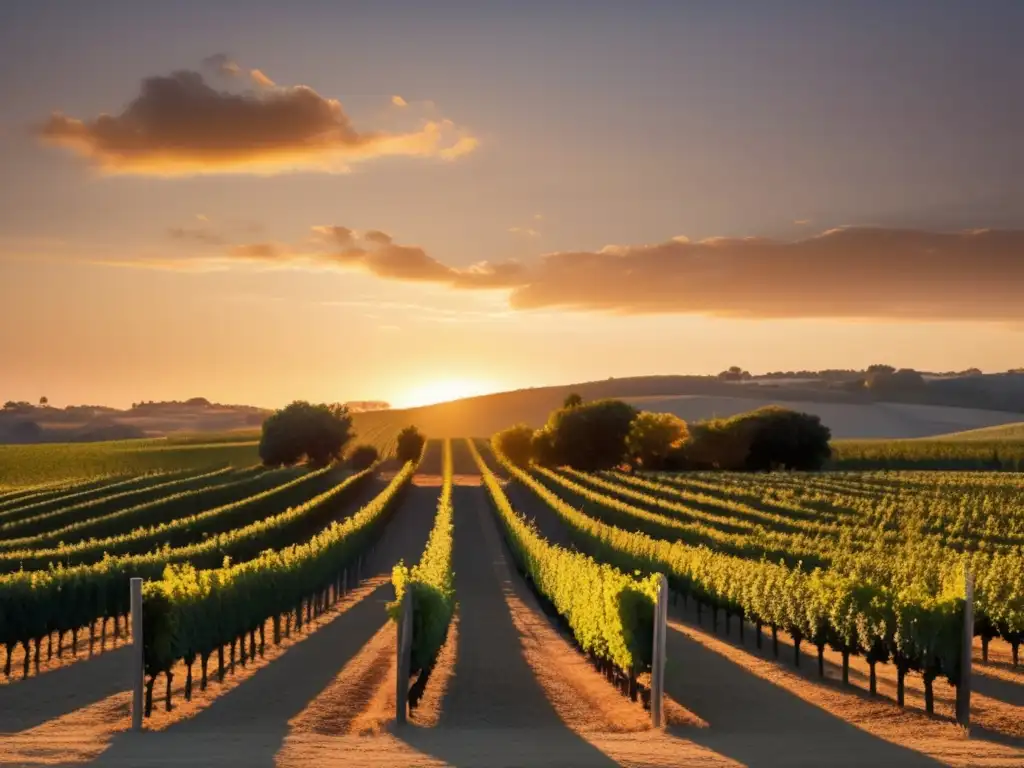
x,y
397,203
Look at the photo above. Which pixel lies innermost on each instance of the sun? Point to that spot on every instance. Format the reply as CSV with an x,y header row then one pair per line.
x,y
443,390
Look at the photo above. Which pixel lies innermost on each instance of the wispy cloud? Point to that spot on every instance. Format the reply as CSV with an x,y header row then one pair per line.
x,y
180,125
398,101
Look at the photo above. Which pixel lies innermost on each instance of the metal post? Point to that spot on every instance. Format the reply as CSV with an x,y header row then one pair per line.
x,y
658,656
963,689
138,660
404,649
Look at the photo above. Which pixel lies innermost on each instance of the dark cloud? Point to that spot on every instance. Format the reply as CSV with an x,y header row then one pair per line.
x,y
850,273
842,273
180,125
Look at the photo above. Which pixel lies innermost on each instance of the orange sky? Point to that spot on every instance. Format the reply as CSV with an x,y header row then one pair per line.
x,y
410,206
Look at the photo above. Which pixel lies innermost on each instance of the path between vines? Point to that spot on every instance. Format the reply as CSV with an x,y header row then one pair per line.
x,y
508,690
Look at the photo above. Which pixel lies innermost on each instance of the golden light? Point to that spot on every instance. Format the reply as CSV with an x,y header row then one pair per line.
x,y
442,391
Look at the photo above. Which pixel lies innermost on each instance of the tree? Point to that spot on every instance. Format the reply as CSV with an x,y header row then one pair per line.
x,y
363,457
903,380
881,368
735,373
542,448
652,438
767,438
572,400
410,444
317,432
591,436
516,443
44,401
787,439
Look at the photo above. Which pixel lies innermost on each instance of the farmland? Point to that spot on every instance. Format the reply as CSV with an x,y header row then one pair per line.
x,y
801,605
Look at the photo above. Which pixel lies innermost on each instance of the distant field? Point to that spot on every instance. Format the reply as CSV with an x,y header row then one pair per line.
x,y
47,462
1001,433
489,414
41,463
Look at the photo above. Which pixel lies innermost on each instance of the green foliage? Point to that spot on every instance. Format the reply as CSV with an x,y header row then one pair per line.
x,y
763,439
410,444
217,490
231,518
652,438
431,581
60,599
591,436
318,433
572,400
190,612
610,612
32,519
542,448
940,453
65,462
363,457
849,611
516,443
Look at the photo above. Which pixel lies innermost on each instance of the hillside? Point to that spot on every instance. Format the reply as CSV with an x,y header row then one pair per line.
x,y
489,413
936,405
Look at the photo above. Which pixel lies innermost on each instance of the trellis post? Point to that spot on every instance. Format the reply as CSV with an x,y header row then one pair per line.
x,y
963,688
658,656
138,659
404,651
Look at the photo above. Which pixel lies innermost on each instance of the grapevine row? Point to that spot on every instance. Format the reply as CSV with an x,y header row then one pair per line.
x,y
430,583
190,613
916,630
610,613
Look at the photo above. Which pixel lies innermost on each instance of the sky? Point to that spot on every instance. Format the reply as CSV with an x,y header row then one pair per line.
x,y
256,202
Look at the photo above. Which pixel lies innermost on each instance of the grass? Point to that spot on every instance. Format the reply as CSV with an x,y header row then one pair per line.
x,y
46,462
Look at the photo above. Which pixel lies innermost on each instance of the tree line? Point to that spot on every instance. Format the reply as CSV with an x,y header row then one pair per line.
x,y
320,433
604,434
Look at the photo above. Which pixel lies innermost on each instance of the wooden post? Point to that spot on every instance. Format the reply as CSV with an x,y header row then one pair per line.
x,y
404,651
658,656
138,659
963,690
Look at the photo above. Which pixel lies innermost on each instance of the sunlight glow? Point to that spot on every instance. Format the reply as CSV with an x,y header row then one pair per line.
x,y
443,390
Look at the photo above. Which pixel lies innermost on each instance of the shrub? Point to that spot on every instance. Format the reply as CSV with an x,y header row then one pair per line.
x,y
591,436
767,438
542,448
652,438
410,444
363,457
516,443
317,432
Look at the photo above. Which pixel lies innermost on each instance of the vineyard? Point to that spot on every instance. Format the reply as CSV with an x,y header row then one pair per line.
x,y
502,615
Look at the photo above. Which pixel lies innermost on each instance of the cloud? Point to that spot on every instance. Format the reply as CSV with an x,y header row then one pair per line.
x,y
376,253
221,64
398,101
180,125
849,272
843,273
260,79
340,236
802,222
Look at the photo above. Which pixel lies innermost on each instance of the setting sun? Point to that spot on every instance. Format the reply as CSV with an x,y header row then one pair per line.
x,y
443,390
